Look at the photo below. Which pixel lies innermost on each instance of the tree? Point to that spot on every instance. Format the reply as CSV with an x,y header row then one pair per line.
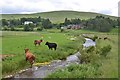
x,y
118,20
39,28
28,27
105,26
67,22
56,26
12,28
23,20
46,23
100,23
4,22
14,22
39,19
39,24
5,28
75,21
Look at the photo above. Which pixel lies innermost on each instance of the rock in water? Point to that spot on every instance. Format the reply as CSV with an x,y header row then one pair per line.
x,y
74,58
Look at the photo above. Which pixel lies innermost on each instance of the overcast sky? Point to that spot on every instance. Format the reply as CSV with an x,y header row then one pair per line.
x,y
109,7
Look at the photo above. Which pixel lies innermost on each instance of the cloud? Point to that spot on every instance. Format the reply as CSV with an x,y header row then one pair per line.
x,y
31,6
106,11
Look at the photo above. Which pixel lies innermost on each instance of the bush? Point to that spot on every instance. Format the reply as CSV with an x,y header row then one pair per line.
x,y
84,58
94,38
76,71
39,29
89,55
62,30
12,29
105,50
5,28
20,26
90,49
28,28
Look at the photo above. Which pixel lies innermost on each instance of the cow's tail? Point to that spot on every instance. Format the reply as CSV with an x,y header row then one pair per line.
x,y
34,57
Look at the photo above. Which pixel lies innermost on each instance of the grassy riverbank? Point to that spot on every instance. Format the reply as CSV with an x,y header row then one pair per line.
x,y
97,66
13,44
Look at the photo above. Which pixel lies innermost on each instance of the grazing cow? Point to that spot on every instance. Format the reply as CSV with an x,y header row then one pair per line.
x,y
105,38
51,45
29,56
100,38
37,42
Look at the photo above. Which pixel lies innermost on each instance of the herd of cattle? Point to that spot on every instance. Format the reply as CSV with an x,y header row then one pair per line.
x,y
30,57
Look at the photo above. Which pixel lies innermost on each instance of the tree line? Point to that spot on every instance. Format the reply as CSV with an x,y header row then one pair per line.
x,y
38,23
99,23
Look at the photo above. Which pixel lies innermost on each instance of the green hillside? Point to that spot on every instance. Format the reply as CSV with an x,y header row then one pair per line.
x,y
56,16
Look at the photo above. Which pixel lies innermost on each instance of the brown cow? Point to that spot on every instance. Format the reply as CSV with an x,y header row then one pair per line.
x,y
37,42
29,56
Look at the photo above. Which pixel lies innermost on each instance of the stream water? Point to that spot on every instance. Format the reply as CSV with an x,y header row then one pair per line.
x,y
89,42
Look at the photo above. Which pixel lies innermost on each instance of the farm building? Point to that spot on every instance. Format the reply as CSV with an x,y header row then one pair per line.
x,y
28,22
73,26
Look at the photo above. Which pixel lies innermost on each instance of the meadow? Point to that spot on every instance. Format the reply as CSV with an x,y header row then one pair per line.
x,y
13,43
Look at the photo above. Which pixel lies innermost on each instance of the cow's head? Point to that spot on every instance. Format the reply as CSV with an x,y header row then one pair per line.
x,y
46,43
41,40
26,50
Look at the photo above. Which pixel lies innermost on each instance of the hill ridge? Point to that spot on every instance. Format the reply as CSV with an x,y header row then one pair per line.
x,y
57,16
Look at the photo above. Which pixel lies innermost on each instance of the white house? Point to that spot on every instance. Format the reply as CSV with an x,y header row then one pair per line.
x,y
28,22
72,26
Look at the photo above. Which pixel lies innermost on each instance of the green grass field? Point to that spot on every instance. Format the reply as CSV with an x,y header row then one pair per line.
x,y
57,16
13,43
110,66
